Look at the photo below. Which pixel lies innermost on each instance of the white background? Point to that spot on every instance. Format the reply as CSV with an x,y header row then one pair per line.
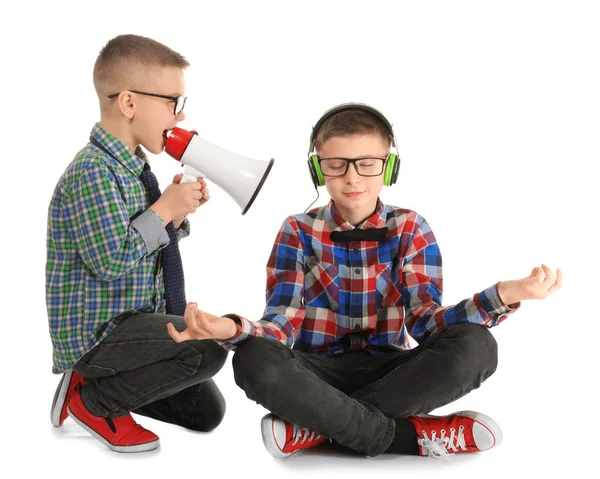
x,y
496,109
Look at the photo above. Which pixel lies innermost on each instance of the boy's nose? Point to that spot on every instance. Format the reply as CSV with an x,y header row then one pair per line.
x,y
181,116
352,175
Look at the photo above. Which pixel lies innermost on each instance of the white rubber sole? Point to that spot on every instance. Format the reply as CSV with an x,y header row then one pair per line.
x,y
59,398
268,436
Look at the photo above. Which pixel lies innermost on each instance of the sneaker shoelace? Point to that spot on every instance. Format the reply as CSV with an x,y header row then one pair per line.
x,y
439,447
303,432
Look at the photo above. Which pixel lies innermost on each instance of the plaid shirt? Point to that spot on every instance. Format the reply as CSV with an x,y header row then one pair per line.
x,y
102,248
319,291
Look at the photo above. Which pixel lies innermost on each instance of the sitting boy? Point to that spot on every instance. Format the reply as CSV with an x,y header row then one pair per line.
x,y
346,284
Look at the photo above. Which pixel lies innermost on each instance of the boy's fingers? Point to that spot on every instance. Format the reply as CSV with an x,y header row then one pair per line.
x,y
177,178
540,275
534,271
193,185
557,283
174,333
549,273
188,314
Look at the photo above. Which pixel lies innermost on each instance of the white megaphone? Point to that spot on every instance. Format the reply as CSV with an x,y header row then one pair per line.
x,y
241,177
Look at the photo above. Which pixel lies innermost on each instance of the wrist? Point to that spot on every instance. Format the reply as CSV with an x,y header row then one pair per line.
x,y
235,328
162,212
508,292
177,222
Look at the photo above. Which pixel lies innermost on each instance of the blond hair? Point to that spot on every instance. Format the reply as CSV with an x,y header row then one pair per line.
x,y
126,59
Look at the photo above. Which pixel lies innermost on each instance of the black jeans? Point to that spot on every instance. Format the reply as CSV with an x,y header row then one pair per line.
x,y
355,398
139,368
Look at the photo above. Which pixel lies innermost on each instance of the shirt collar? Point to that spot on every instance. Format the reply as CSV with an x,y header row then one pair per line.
x,y
134,162
336,221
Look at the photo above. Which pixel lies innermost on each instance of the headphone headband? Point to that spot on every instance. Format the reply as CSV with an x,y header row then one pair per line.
x,y
349,106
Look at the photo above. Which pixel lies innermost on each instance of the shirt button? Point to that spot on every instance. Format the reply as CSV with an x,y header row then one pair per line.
x,y
357,327
355,250
357,270
356,299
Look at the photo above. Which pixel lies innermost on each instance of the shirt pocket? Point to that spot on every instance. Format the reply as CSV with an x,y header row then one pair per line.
x,y
391,287
321,284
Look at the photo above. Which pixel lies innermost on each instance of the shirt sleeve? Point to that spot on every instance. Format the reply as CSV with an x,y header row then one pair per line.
x,y
284,311
184,230
422,292
100,228
151,227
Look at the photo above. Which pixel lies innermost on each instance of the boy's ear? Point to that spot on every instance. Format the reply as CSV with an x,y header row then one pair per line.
x,y
127,104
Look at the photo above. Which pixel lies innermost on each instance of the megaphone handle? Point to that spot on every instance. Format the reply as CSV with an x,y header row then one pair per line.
x,y
191,174
189,178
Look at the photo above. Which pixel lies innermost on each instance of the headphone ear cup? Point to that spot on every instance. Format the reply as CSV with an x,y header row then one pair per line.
x,y
315,171
391,170
395,169
311,170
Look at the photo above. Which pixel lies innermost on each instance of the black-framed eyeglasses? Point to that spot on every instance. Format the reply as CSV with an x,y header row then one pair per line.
x,y
178,100
363,166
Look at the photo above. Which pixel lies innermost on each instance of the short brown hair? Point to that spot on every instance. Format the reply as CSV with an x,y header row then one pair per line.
x,y
352,122
126,57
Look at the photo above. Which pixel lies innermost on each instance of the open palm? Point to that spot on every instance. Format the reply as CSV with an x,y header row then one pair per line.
x,y
202,325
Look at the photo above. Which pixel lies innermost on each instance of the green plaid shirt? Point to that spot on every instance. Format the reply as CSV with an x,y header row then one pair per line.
x,y
103,248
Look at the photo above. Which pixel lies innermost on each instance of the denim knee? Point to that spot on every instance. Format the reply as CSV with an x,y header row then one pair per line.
x,y
478,347
212,359
258,365
211,415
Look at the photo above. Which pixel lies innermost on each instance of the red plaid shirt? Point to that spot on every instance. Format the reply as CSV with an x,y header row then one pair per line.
x,y
319,291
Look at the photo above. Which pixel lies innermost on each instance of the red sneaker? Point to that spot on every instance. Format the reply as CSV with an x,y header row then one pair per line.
x,y
63,395
283,438
121,434
463,431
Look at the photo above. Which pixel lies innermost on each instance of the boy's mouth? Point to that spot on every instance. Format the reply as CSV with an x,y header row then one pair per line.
x,y
166,133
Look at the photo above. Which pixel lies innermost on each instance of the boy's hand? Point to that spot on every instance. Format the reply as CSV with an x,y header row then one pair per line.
x,y
201,325
540,284
205,197
179,200
204,190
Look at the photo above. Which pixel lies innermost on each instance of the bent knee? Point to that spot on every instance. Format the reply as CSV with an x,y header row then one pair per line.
x,y
207,359
210,421
258,363
478,346
209,408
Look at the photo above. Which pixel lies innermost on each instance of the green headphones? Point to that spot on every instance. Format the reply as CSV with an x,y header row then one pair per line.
x,y
392,162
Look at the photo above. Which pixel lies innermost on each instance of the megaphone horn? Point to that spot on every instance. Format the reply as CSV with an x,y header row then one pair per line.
x,y
241,177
